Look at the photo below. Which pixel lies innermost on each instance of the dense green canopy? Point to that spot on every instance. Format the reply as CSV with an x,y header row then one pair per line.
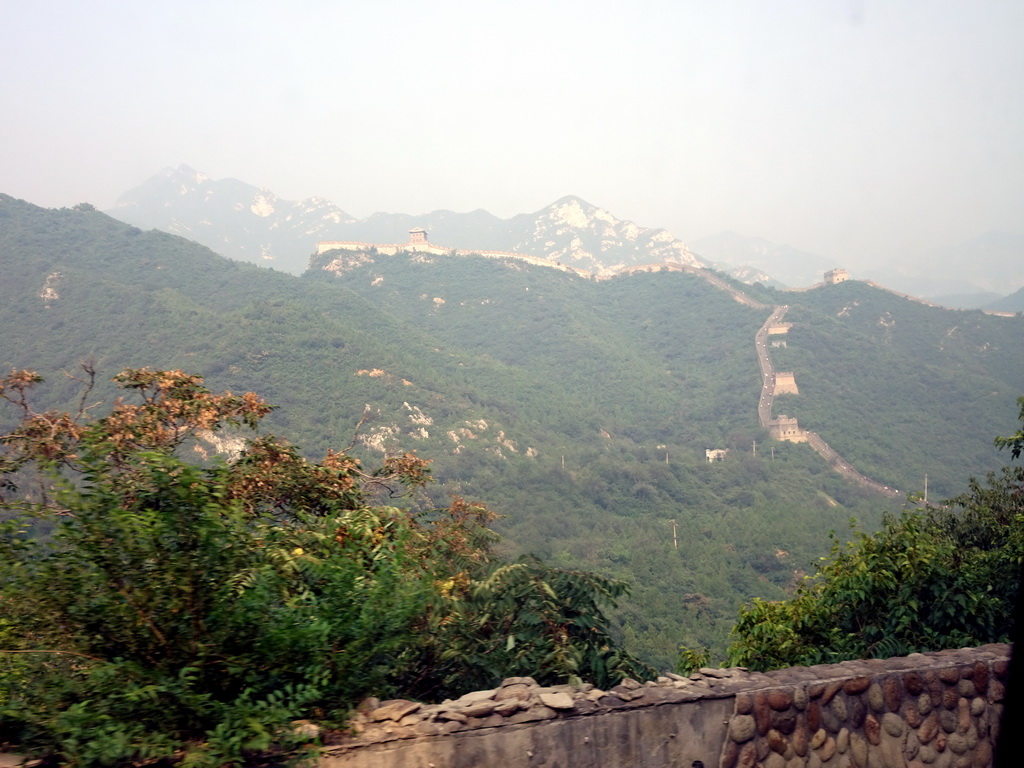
x,y
152,606
931,578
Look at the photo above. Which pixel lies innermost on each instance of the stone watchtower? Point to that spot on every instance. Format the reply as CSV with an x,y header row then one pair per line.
x,y
786,428
836,276
417,236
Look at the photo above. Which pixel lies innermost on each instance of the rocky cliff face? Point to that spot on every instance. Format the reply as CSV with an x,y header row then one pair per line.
x,y
244,222
586,237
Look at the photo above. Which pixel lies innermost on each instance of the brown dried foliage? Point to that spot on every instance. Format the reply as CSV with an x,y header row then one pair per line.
x,y
171,407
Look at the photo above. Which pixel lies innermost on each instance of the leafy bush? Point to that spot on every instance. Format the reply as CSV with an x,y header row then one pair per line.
x,y
193,611
931,578
526,619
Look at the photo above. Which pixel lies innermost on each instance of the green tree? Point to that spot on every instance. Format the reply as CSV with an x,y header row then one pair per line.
x,y
527,619
190,609
1014,442
931,578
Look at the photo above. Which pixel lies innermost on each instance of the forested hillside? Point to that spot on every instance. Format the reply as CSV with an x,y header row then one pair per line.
x,y
578,409
900,388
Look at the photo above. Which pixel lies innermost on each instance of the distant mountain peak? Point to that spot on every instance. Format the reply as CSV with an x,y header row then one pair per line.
x,y
249,223
236,219
577,212
188,171
183,175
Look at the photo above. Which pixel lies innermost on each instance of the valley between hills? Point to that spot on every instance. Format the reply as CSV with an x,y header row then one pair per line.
x,y
581,410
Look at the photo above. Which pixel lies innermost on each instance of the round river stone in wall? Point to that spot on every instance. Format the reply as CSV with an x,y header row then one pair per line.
x,y
858,750
784,722
777,742
949,675
913,683
800,739
876,699
779,700
924,703
949,698
819,738
814,716
947,720
742,728
892,724
857,685
872,730
893,690
800,698
981,678
838,707
929,728
744,703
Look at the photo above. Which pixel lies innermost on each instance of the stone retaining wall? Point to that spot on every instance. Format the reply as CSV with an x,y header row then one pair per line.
x,y
936,710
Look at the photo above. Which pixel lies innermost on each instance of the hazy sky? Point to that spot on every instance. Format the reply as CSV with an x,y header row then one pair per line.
x,y
862,130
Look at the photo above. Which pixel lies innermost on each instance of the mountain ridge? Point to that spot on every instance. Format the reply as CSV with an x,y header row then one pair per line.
x,y
248,223
993,259
580,409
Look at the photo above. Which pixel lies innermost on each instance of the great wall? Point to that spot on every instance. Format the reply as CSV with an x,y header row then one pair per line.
x,y
418,243
785,427
774,382
934,710
782,427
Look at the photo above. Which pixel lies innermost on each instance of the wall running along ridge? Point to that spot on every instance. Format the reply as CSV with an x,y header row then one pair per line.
x,y
934,710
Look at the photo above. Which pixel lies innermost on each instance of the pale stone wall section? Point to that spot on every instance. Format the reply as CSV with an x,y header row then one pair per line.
x,y
785,383
422,246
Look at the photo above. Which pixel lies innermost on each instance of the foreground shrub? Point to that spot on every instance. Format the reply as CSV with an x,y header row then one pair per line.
x,y
930,579
191,612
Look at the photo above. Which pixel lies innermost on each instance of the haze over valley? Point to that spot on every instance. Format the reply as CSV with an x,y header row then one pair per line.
x,y
358,356
242,221
583,405
875,136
